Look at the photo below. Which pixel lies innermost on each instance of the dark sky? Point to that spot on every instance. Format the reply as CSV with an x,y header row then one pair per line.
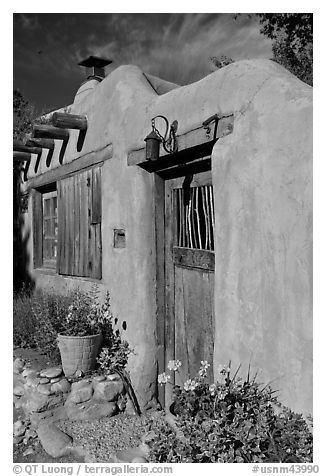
x,y
173,46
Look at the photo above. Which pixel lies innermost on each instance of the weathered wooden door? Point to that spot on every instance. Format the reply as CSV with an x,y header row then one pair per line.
x,y
189,272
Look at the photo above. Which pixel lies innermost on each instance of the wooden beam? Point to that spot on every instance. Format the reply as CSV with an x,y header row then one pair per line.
x,y
194,258
199,140
44,143
22,156
49,132
83,162
20,147
69,121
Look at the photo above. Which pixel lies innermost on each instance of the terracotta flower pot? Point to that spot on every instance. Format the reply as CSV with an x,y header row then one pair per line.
x,y
78,353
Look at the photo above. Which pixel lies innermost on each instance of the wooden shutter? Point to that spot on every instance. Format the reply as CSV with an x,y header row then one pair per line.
x,y
37,229
79,224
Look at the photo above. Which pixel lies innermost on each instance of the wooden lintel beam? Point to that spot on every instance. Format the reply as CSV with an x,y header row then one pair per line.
x,y
44,143
69,121
49,132
21,156
200,138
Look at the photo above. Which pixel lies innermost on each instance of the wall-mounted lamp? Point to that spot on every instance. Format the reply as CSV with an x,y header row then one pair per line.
x,y
169,141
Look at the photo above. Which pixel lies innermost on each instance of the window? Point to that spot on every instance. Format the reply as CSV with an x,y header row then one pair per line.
x,y
67,225
194,217
50,229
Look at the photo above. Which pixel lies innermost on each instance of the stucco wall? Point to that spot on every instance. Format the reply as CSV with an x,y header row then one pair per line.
x,y
262,188
262,177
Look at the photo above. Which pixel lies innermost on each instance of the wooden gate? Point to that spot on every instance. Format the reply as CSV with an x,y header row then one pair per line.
x,y
189,273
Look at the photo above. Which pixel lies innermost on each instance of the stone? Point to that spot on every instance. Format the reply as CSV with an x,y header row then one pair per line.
x,y
90,410
32,381
44,380
19,365
81,391
29,451
19,428
30,433
108,390
19,390
63,386
54,441
55,379
130,409
29,372
80,383
131,455
52,416
79,373
113,377
99,378
139,459
45,389
18,439
51,372
38,402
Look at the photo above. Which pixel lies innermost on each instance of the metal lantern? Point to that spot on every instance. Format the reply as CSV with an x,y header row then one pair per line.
x,y
152,146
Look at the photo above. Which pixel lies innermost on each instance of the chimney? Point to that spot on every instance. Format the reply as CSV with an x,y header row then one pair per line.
x,y
95,67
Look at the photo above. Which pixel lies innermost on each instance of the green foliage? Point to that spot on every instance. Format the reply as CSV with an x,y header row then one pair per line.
x,y
40,316
24,322
49,309
219,62
23,115
231,421
292,37
115,350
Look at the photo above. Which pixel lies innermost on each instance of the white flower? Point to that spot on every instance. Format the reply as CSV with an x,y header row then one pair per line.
x,y
163,378
205,364
212,388
202,372
174,365
223,369
190,385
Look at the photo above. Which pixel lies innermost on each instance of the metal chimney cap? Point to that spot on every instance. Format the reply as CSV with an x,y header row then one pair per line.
x,y
95,62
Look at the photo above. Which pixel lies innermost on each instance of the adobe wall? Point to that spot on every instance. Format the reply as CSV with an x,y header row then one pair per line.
x,y
261,178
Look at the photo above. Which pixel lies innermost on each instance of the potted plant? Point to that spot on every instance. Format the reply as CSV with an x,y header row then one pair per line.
x,y
80,335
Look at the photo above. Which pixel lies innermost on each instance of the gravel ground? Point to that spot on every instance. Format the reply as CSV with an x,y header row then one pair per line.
x,y
100,439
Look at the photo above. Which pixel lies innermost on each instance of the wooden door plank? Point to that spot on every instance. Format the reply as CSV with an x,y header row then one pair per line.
x,y
84,218
169,288
158,209
199,336
181,344
76,226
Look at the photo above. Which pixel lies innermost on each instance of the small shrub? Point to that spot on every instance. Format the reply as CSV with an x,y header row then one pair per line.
x,y
24,322
230,421
115,351
49,310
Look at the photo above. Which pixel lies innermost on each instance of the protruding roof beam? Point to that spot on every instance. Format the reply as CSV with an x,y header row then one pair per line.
x,y
72,121
20,147
49,132
44,143
69,121
21,156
